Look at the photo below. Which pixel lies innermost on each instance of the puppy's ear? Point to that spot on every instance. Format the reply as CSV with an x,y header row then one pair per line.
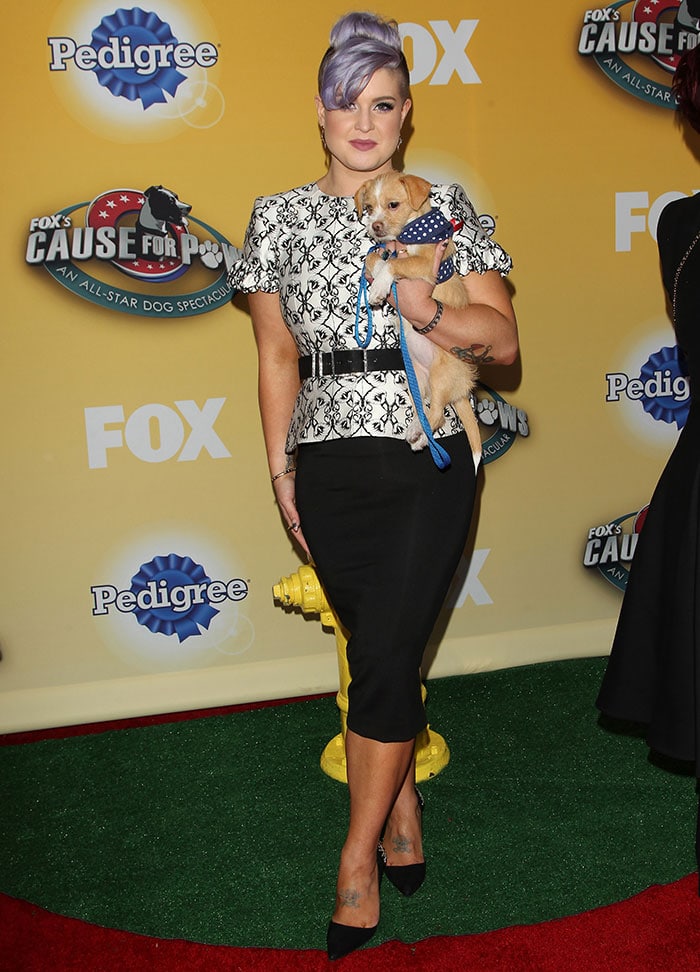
x,y
360,199
418,190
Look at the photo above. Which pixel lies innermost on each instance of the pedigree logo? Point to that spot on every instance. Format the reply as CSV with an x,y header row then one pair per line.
x,y
661,388
169,595
134,55
148,236
637,44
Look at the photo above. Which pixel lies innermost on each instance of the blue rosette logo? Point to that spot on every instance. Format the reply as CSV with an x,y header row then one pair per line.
x,y
179,612
666,395
145,36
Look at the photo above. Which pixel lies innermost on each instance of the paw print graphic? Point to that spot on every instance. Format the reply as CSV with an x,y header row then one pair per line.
x,y
210,254
487,411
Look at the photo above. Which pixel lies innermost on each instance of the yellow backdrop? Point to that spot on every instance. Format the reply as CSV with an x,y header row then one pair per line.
x,y
141,539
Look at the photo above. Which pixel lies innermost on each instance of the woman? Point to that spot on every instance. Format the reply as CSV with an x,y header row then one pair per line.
x,y
652,675
384,526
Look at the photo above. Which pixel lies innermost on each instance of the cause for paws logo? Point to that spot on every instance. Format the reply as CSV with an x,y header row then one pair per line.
x,y
501,422
637,43
146,236
610,547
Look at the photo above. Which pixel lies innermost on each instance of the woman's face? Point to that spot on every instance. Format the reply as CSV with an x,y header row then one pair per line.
x,y
364,136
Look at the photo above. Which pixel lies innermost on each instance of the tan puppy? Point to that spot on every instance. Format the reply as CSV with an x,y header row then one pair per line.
x,y
390,202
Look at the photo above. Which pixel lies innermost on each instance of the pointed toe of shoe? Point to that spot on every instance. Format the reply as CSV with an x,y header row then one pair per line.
x,y
343,939
407,878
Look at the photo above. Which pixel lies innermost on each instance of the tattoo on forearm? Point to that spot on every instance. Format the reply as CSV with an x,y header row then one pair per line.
x,y
474,354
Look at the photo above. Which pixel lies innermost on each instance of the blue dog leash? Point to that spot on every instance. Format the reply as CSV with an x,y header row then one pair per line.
x,y
440,457
363,299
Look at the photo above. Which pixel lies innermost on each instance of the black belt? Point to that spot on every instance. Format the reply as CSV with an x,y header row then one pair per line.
x,y
323,363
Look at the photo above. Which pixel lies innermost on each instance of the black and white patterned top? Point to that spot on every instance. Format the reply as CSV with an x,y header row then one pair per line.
x,y
310,248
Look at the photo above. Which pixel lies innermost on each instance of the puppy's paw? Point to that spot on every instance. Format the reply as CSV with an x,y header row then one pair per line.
x,y
372,262
377,293
415,436
381,285
420,443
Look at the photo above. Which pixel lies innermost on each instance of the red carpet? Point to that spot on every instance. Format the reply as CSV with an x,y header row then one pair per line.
x,y
655,931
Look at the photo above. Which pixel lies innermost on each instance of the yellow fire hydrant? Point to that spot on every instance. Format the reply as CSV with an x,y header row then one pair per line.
x,y
304,590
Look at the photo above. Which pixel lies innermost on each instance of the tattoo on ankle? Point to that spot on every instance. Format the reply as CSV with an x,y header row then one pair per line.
x,y
402,845
349,897
474,354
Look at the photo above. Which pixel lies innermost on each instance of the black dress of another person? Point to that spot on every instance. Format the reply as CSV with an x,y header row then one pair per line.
x,y
653,675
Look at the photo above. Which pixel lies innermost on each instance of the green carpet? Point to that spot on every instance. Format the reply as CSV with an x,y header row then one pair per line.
x,y
224,830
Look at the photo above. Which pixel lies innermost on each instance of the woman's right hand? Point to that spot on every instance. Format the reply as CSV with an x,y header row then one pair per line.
x,y
285,493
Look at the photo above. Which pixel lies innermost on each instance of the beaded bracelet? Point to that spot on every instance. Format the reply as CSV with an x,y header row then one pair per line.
x,y
435,321
285,472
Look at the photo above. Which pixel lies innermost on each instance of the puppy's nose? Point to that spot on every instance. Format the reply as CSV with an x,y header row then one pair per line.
x,y
378,227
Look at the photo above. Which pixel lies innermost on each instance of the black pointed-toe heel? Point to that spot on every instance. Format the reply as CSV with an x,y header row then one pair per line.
x,y
406,878
343,939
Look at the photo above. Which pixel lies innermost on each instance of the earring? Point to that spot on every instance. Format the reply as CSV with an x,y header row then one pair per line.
x,y
323,137
399,143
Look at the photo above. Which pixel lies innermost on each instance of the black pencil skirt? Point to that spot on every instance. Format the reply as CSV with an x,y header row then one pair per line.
x,y
386,529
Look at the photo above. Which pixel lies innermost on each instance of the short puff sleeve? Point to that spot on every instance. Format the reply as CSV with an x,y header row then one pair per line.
x,y
475,248
258,267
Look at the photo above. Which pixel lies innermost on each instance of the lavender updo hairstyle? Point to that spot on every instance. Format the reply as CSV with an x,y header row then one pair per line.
x,y
361,43
686,86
